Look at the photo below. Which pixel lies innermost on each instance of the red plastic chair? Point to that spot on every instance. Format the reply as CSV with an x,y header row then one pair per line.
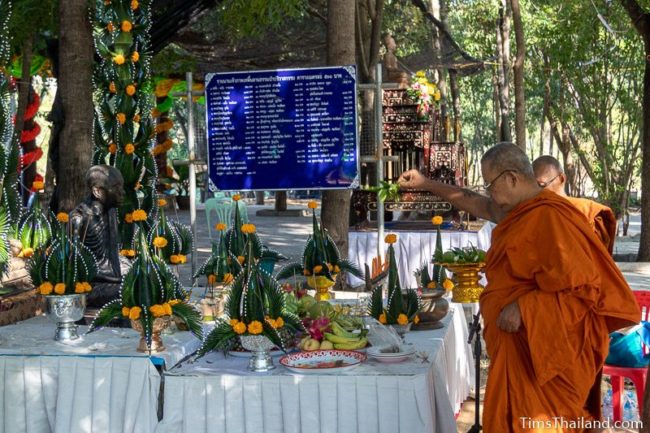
x,y
636,375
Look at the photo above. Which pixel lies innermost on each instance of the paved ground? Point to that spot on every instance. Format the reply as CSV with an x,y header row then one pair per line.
x,y
288,235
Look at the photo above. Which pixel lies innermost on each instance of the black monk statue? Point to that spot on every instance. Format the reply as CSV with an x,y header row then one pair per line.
x,y
94,222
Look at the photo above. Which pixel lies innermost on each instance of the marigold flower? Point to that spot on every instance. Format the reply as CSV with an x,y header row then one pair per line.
x,y
236,197
157,310
139,215
167,308
135,312
420,74
62,217
45,288
436,220
416,319
173,259
118,59
79,288
59,288
26,253
312,205
241,259
255,327
136,118
306,272
228,277
112,88
317,269
159,242
155,112
220,227
134,4
174,302
87,286
130,90
382,318
448,284
38,185
248,228
162,202
126,26
239,328
431,285
128,218
390,238
337,269
278,323
402,319
121,118
233,322
212,278
110,27
135,56
126,311
129,148
182,258
112,148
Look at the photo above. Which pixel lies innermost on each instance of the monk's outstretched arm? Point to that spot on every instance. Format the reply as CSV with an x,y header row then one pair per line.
x,y
464,199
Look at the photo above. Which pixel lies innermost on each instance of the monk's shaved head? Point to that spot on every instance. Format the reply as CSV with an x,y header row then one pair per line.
x,y
549,174
545,163
507,156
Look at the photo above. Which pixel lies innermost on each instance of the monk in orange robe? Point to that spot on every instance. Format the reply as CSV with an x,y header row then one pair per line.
x,y
550,175
553,296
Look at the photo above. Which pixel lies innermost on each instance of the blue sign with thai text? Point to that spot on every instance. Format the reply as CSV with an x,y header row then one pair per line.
x,y
284,129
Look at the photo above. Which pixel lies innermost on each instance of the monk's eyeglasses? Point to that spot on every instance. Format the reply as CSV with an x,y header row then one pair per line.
x,y
548,182
489,185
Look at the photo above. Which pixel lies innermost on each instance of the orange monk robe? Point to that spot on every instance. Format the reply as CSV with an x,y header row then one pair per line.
x,y
545,256
601,218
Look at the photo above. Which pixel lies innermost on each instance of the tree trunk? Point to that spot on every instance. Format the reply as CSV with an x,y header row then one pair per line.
x,y
280,201
259,197
75,85
518,69
641,21
340,51
503,60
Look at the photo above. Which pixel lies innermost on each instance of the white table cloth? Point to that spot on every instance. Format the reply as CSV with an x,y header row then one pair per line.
x,y
218,394
412,250
97,384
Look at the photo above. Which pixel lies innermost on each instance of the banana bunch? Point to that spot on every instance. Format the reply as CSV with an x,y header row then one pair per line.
x,y
344,339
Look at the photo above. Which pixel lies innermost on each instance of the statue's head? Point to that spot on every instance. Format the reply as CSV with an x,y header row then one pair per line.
x,y
106,185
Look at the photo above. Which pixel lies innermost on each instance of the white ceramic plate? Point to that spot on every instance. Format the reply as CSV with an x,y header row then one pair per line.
x,y
322,361
407,351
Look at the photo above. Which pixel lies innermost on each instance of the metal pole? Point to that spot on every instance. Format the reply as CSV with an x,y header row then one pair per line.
x,y
379,140
192,170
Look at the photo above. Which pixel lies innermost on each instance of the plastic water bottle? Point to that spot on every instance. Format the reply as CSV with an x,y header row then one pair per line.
x,y
607,404
631,407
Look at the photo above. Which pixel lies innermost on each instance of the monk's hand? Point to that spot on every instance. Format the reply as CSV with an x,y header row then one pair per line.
x,y
510,318
412,179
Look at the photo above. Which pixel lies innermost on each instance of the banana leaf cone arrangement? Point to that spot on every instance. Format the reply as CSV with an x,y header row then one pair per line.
x,y
237,242
150,293
66,266
254,307
439,278
221,267
321,261
34,231
402,306
177,237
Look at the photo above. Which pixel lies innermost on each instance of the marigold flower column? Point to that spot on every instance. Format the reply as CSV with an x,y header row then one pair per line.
x,y
123,125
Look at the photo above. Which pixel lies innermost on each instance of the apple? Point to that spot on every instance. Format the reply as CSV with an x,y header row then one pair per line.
x,y
311,344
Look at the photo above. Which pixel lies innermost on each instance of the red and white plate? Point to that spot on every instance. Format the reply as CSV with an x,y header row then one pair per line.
x,y
322,361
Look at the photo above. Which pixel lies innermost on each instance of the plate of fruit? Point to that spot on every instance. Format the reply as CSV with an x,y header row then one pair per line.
x,y
322,361
340,333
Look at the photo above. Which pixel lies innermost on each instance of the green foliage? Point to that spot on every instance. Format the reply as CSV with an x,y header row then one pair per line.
x,y
34,230
30,18
177,235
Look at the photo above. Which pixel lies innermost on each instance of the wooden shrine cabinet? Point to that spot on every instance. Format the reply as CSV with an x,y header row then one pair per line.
x,y
420,143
